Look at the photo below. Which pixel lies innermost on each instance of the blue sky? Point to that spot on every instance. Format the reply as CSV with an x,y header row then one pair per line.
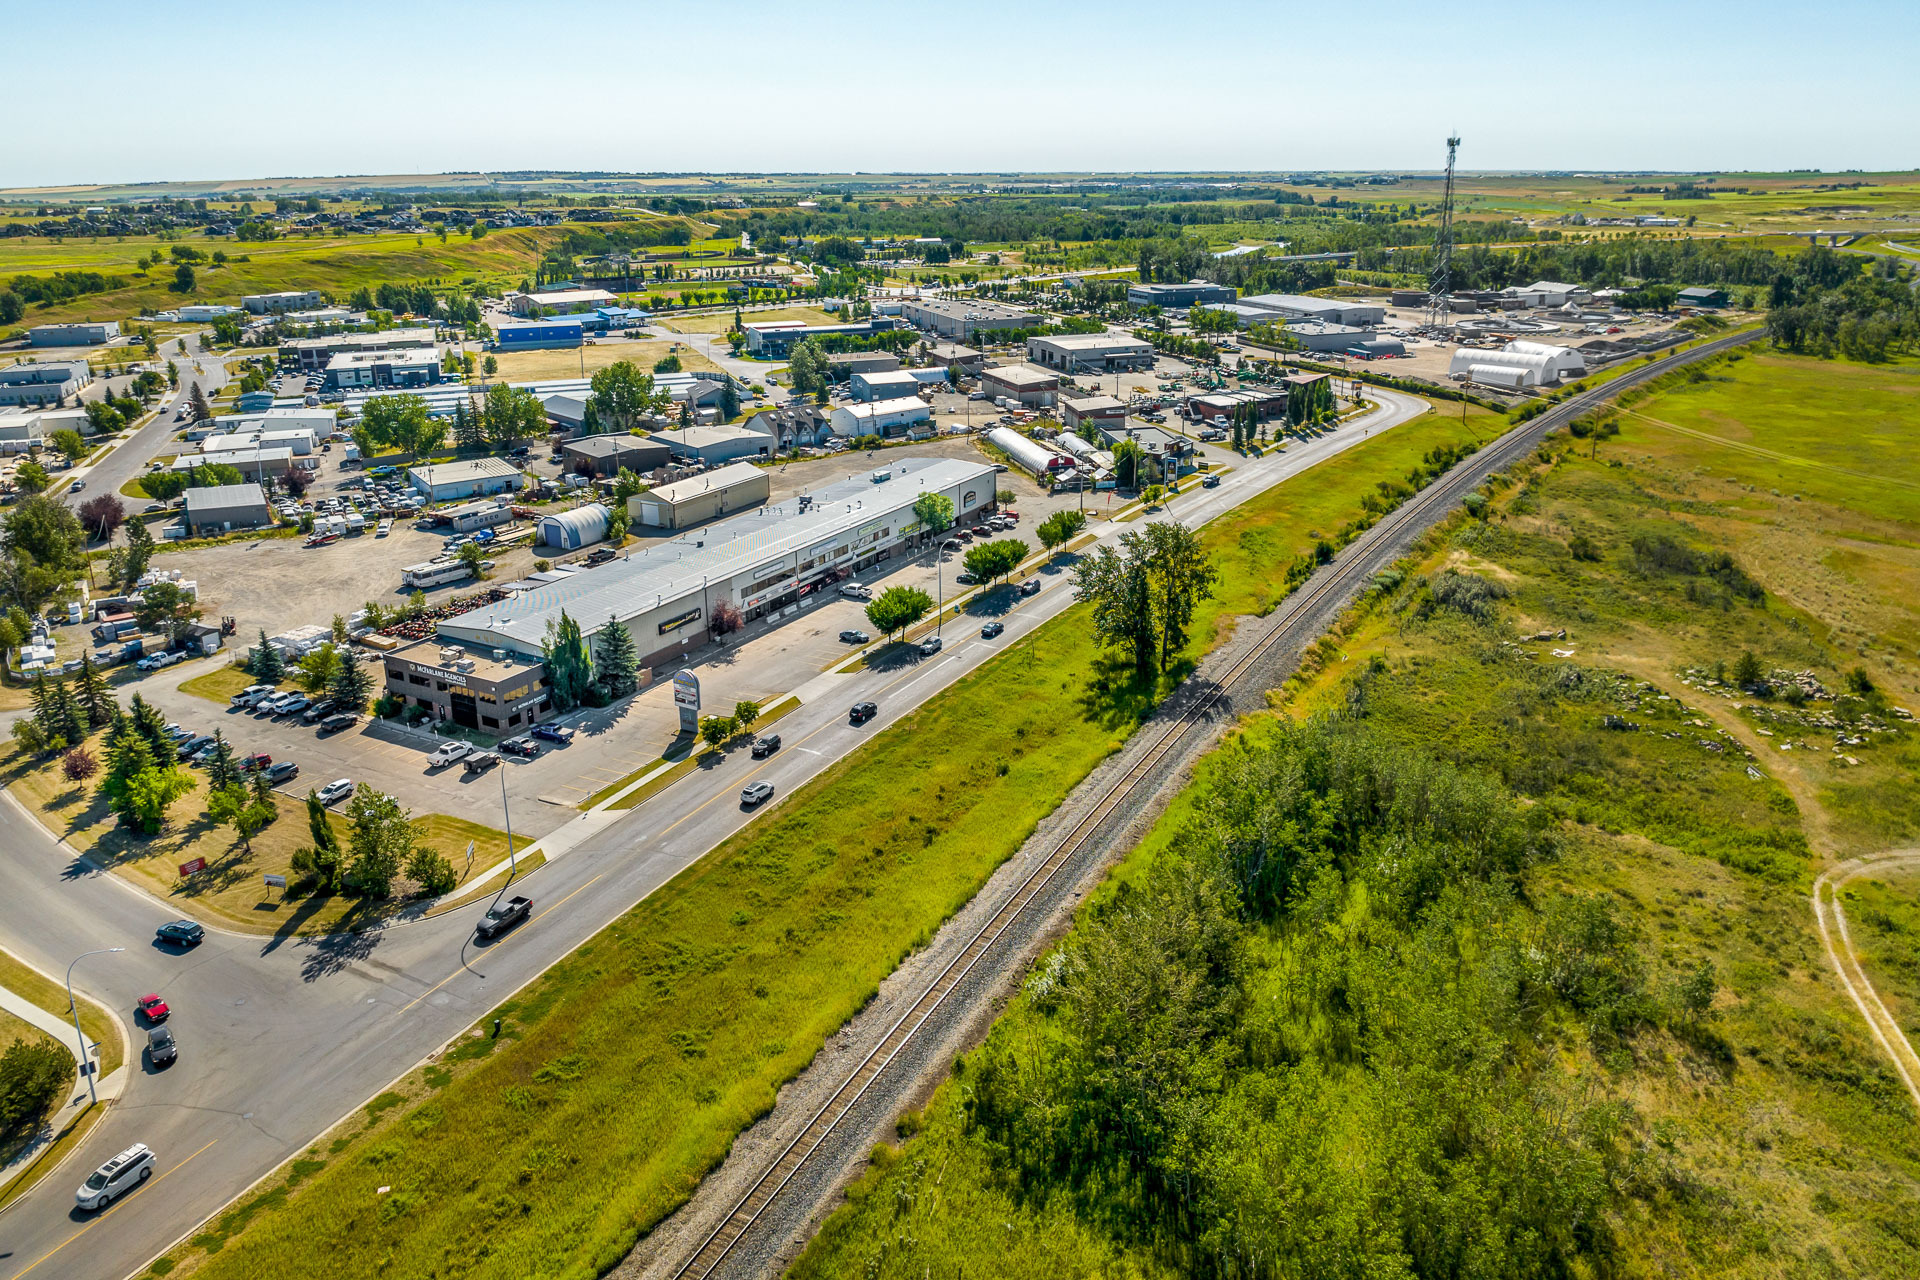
x,y
214,89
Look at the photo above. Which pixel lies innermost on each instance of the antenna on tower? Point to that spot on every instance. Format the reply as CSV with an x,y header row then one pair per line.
x,y
1440,276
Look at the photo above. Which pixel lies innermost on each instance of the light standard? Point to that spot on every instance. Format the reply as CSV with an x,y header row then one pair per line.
x,y
86,1059
507,813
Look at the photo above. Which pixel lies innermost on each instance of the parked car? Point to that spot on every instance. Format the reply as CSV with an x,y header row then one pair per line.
x,y
338,789
930,646
1031,587
250,695
854,636
855,591
861,712
319,711
600,555
965,579
481,761
990,630
161,1049
553,733
153,1008
338,722
765,746
258,760
521,746
116,1177
282,771
288,703
502,916
193,747
756,793
183,933
448,752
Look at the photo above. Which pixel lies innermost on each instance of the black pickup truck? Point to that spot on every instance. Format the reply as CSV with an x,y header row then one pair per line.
x,y
502,916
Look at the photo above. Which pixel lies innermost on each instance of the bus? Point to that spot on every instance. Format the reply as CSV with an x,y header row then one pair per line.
x,y
435,573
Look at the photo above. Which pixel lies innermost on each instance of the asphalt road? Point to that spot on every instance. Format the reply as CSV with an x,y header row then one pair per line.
x,y
280,1037
130,457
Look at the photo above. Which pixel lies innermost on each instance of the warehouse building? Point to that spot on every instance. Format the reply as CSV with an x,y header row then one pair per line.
x,y
959,319
221,507
1024,384
73,335
1701,296
310,355
685,503
1090,352
44,385
24,429
410,368
606,455
1096,410
257,463
323,318
1546,293
944,355
472,688
773,339
566,415
1296,306
267,304
1179,296
536,335
892,384
1322,335
559,301
843,364
761,561
714,445
1243,315
880,417
201,312
450,481
1537,364
571,530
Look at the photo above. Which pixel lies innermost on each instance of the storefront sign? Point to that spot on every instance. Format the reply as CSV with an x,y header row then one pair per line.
x,y
680,620
686,697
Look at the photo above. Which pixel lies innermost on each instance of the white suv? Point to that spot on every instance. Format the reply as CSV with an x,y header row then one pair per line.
x,y
114,1178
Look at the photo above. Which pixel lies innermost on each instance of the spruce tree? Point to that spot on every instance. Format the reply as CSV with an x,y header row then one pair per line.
x,y
95,697
147,722
72,720
618,662
351,685
267,665
222,770
128,758
46,708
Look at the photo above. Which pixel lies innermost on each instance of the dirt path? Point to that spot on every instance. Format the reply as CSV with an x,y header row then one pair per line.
x,y
1831,919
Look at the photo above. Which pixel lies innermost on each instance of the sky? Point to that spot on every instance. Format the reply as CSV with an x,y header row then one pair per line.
x,y
218,90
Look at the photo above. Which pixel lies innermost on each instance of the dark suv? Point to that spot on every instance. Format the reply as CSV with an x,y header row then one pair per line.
x,y
862,712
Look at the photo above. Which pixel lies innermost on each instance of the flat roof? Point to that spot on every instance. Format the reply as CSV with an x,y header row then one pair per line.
x,y
466,469
880,408
695,437
1021,375
571,295
962,308
1091,341
693,486
219,497
606,446
663,572
1093,404
397,355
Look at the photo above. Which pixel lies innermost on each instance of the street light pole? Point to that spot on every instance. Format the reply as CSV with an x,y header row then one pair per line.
x,y
507,813
86,1059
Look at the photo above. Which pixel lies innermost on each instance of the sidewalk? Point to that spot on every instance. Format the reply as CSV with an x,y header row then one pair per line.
x,y
61,1030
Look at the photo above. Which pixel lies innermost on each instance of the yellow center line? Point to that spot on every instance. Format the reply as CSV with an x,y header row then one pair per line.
x,y
101,1216
509,938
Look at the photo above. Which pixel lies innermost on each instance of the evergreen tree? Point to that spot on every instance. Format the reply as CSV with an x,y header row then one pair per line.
x,y
95,697
128,758
351,685
265,664
147,721
618,662
198,398
223,770
46,708
321,859
569,665
263,792
72,720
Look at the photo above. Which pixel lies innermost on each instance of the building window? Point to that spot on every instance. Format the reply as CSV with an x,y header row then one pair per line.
x,y
490,722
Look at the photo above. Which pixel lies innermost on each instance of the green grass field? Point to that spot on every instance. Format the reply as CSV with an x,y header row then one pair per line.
x,y
629,1067
1705,862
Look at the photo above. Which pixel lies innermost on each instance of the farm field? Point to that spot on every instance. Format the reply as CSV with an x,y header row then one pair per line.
x,y
717,989
1299,1072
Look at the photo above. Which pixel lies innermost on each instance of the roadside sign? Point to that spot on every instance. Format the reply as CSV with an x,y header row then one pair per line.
x,y
276,882
192,868
686,696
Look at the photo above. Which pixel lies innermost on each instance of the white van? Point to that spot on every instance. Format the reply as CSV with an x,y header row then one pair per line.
x,y
114,1178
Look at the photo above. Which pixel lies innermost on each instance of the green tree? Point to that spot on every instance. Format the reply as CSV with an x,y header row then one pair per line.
x,y
1128,462
265,662
626,485
490,366
617,662
127,565
45,551
69,443
233,805
897,608
745,713
569,664
430,869
184,280
351,685
150,794
1180,574
319,861
1747,672
146,720
934,511
31,478
622,394
1115,582
379,844
473,556
467,433
1060,528
34,1074
511,415
96,700
168,608
222,769
318,669
716,730
399,422
989,561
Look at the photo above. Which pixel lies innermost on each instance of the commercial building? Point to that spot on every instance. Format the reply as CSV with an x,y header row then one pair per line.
x,y
220,507
713,445
1179,296
1296,306
1546,293
566,415
475,688
1090,352
573,529
449,481
480,514
761,562
73,335
1163,448
606,455
890,385
698,499
1323,335
1701,296
267,304
535,335
1538,363
1024,384
943,355
775,338
1098,410
960,319
255,462
23,429
410,368
559,301
320,422
795,424
880,417
1244,316
844,363
322,318
311,355
201,312
43,385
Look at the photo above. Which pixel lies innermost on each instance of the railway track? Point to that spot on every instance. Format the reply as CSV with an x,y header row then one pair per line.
x,y
1191,712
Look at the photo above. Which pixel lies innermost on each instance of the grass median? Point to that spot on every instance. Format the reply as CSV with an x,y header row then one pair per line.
x,y
624,1073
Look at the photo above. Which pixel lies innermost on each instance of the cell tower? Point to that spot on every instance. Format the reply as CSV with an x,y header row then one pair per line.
x,y
1440,277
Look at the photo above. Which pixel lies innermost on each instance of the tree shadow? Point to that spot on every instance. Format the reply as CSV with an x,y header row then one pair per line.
x,y
995,602
1117,697
346,946
895,655
309,906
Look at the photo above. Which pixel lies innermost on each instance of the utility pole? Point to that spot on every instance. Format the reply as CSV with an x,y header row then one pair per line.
x,y
86,1059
